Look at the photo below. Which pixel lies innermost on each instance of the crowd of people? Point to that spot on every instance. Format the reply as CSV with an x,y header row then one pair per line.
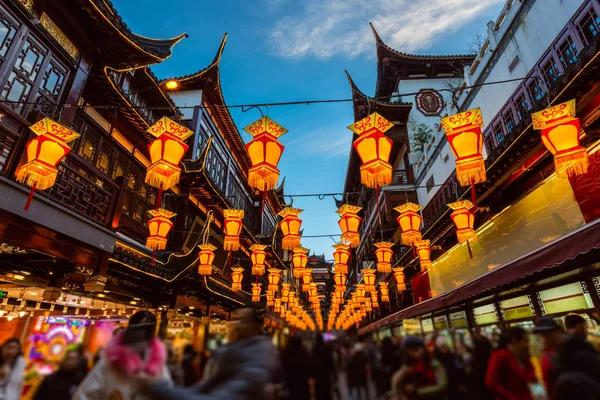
x,y
136,365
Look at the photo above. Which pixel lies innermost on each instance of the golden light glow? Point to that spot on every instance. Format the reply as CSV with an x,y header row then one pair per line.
x,y
349,224
206,256
409,221
274,278
172,84
384,255
290,227
232,228
306,279
341,256
270,298
384,290
159,226
424,253
399,277
369,280
340,282
299,261
258,257
237,274
463,131
256,292
285,292
464,220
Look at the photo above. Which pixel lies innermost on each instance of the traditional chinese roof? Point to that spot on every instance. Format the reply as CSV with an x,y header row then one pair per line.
x,y
393,65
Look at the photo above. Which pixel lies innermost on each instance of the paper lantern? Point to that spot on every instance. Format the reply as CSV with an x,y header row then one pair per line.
x,y
424,253
265,152
374,149
349,223
399,277
463,131
341,256
277,307
285,292
306,279
369,280
270,298
340,281
290,227
274,278
368,307
560,134
166,152
313,290
360,292
256,292
464,220
299,261
206,256
409,221
159,226
374,302
258,257
232,228
384,255
384,290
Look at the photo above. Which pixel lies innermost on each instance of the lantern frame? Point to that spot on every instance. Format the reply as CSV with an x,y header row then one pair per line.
x,y
464,220
237,275
384,254
369,279
290,226
384,291
423,248
400,279
349,224
206,256
306,279
274,277
258,257
299,261
256,289
159,226
232,227
409,221
341,258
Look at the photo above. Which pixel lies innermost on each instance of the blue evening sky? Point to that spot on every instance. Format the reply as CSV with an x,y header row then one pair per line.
x,y
285,50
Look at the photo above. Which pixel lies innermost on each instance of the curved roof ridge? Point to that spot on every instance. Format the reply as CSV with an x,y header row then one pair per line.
x,y
361,96
214,63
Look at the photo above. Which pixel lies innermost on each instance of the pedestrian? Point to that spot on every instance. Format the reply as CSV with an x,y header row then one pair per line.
x,y
12,370
297,369
477,369
449,360
510,374
388,363
62,384
553,337
131,352
356,372
191,366
421,376
323,369
576,325
244,369
175,367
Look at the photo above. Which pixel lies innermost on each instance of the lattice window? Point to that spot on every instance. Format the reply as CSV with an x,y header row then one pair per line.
x,y
509,121
216,168
522,106
7,143
535,89
588,26
498,134
105,158
550,70
8,29
567,52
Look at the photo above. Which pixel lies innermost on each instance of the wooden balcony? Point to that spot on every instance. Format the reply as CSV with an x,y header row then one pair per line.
x,y
403,177
437,206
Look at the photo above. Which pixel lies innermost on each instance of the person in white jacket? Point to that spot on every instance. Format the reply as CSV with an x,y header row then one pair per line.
x,y
12,370
131,353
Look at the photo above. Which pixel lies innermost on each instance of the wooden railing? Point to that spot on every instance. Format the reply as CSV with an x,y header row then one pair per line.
x,y
437,206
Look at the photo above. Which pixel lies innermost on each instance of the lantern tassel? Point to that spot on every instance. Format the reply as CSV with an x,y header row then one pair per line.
x,y
156,244
30,197
470,171
263,177
156,176
409,238
574,163
469,249
231,244
466,235
379,174
290,243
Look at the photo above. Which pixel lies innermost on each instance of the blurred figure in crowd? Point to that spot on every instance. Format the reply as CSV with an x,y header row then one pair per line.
x,y
131,352
420,377
191,366
323,369
12,370
175,368
510,374
388,363
62,384
576,325
243,369
356,372
449,360
477,369
297,369
553,337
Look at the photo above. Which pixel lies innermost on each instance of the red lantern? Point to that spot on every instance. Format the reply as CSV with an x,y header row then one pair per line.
x,y
256,292
424,253
232,227
206,256
290,227
464,220
258,257
369,280
399,277
340,282
560,134
277,308
384,290
360,292
274,278
270,299
384,255
299,261
349,223
313,290
306,279
410,222
341,256
159,226
237,274
285,292
264,151
166,152
374,149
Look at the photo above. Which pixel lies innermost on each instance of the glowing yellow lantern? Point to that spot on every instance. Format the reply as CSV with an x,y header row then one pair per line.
x,y
384,255
341,256
290,227
232,227
256,292
360,292
340,281
306,279
463,131
313,289
206,256
374,302
369,280
277,306
424,253
349,223
384,290
166,152
374,149
265,152
464,220
368,307
159,226
270,298
274,278
399,277
409,221
237,274
560,134
258,257
285,292
299,261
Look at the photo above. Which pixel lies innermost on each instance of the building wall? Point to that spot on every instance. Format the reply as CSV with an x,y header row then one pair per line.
x,y
187,98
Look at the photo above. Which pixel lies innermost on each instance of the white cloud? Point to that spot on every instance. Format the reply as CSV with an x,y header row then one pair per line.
x,y
325,28
325,143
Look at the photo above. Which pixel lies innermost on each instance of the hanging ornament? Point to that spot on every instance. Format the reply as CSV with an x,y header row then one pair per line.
x,y
206,256
374,149
258,257
399,277
340,282
369,280
233,227
464,220
256,292
299,261
463,131
159,226
277,307
44,152
424,253
560,134
166,152
270,299
274,278
349,223
265,152
341,256
360,292
285,292
237,274
313,293
409,221
384,255
384,291
290,227
306,279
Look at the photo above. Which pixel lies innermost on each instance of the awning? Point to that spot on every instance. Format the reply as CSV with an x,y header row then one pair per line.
x,y
568,247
